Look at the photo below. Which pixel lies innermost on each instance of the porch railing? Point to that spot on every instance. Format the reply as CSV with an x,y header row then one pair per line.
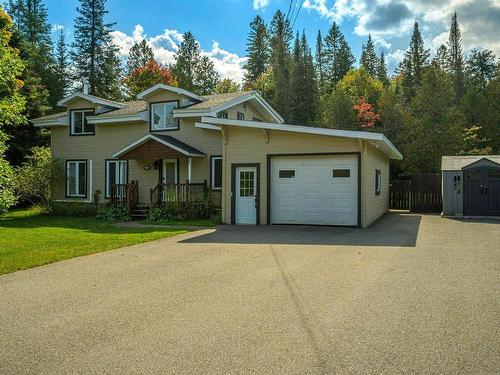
x,y
126,194
171,193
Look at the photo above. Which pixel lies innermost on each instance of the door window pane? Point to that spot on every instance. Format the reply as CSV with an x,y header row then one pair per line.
x,y
116,174
246,184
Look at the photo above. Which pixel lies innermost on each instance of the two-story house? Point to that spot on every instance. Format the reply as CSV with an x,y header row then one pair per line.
x,y
260,170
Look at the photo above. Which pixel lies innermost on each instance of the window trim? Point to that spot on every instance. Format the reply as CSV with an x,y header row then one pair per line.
x,y
107,194
71,132
66,190
240,114
378,181
151,116
212,170
223,115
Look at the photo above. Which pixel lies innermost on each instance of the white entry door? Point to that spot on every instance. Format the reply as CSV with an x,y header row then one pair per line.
x,y
315,190
246,194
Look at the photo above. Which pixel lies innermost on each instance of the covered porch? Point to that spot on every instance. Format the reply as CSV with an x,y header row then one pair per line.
x,y
160,169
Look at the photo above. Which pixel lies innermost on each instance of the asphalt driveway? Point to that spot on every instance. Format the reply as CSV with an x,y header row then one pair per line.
x,y
411,294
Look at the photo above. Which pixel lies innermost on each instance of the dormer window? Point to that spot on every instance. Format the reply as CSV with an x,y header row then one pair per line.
x,y
162,117
79,124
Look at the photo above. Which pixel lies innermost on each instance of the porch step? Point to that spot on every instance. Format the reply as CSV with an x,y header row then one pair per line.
x,y
140,212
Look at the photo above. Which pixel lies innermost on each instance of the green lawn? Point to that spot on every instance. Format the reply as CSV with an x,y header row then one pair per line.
x,y
29,239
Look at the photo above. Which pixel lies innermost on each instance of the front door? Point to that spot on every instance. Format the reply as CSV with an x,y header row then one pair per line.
x,y
246,195
169,175
482,191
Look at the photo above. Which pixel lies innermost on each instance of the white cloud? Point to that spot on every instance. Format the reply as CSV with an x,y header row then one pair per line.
x,y
227,64
56,27
390,22
260,4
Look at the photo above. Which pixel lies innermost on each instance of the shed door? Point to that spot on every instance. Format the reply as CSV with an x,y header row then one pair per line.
x,y
314,190
482,191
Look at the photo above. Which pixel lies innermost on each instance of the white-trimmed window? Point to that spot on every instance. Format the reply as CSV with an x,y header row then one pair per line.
x,y
116,173
216,173
240,116
162,116
222,114
79,124
378,182
76,178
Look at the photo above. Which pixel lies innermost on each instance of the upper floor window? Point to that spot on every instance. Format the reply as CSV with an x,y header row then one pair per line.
x,y
222,114
240,116
79,124
256,119
162,117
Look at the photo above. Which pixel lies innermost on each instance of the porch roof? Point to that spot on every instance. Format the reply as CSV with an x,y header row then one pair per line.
x,y
167,143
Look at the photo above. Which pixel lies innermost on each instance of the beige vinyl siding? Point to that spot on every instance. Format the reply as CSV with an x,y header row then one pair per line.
x,y
249,146
374,205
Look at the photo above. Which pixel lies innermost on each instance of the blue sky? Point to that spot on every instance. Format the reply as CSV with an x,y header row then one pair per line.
x,y
221,26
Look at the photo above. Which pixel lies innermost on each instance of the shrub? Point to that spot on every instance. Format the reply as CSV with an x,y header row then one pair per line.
x,y
7,194
112,213
34,179
198,208
72,209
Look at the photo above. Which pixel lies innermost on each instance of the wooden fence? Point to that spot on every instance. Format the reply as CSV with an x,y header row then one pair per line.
x,y
420,193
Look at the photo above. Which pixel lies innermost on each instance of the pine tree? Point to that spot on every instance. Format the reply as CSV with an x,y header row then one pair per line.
x,y
139,55
110,74
257,51
413,64
227,85
481,67
280,60
194,72
320,62
456,58
93,49
338,58
382,70
311,84
61,68
441,58
369,58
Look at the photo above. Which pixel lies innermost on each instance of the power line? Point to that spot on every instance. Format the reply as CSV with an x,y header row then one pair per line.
x,y
297,14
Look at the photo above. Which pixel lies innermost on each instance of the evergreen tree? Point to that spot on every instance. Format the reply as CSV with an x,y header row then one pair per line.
x,y
338,58
369,58
93,49
320,62
61,68
382,70
441,58
280,59
456,58
481,67
194,72
257,51
311,84
139,55
413,64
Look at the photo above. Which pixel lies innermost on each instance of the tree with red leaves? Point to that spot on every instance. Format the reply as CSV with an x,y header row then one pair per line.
x,y
366,116
149,75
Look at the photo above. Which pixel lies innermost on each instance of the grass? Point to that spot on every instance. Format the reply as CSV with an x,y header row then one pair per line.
x,y
187,223
28,238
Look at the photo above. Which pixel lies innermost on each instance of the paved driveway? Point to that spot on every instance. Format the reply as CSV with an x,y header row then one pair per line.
x,y
411,294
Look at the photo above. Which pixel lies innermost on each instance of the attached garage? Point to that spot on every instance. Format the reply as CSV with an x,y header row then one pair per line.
x,y
302,175
318,190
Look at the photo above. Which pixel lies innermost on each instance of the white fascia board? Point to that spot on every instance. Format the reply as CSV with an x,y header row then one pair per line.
x,y
62,102
182,113
201,125
270,109
113,120
377,137
162,86
148,137
60,121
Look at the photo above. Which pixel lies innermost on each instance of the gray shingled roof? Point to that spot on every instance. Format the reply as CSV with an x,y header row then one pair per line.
x,y
131,108
52,116
218,99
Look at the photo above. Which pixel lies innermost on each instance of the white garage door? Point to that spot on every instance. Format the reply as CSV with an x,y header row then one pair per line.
x,y
314,190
